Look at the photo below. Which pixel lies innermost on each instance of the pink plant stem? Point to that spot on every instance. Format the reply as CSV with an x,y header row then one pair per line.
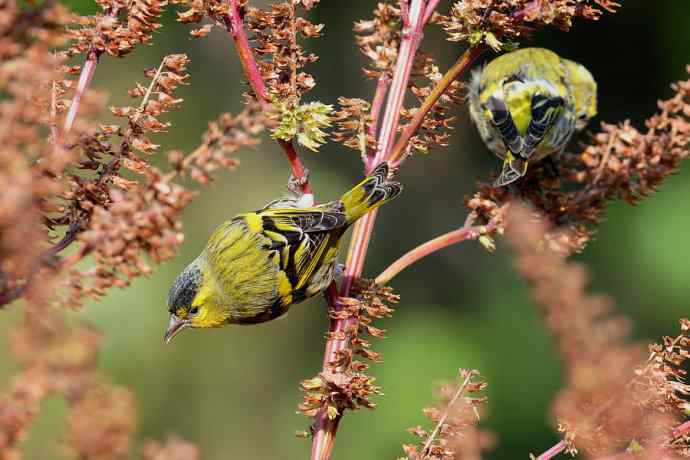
x,y
85,77
412,36
376,106
325,428
430,8
681,430
430,440
423,250
83,84
553,451
234,25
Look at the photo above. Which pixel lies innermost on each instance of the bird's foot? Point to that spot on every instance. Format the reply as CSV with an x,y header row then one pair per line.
x,y
338,272
294,186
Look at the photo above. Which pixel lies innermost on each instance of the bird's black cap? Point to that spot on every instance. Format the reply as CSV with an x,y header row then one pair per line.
x,y
184,288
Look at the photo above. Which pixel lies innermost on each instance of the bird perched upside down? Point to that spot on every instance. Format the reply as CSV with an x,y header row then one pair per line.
x,y
527,104
257,264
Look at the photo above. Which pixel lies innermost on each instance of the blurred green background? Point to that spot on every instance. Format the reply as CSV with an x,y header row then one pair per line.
x,y
234,391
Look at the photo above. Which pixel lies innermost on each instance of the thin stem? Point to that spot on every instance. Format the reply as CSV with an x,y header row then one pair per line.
x,y
54,133
442,420
431,246
234,25
376,106
83,84
149,91
85,77
463,62
681,430
553,451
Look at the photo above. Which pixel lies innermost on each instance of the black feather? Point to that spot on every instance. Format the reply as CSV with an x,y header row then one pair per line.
x,y
184,288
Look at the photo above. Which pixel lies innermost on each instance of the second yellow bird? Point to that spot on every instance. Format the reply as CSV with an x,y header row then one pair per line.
x,y
527,104
257,264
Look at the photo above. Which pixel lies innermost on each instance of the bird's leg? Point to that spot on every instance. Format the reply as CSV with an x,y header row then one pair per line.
x,y
294,186
338,272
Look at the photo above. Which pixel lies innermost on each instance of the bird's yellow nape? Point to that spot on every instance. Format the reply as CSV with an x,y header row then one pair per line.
x,y
175,326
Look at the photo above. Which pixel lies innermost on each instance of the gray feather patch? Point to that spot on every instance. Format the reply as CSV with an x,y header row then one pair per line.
x,y
184,288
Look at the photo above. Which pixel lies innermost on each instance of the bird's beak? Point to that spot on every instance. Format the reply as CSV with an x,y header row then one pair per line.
x,y
175,326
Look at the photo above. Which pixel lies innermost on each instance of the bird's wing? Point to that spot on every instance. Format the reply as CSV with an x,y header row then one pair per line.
x,y
545,109
504,124
302,237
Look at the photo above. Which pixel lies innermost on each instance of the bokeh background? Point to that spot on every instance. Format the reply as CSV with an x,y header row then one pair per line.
x,y
234,391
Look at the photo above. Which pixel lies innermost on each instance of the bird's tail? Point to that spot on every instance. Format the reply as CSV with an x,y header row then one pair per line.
x,y
369,194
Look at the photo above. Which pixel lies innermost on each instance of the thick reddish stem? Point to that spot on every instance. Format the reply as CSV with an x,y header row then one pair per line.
x,y
298,169
412,36
325,428
234,25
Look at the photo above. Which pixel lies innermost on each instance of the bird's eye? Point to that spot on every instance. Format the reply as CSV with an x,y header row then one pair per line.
x,y
194,311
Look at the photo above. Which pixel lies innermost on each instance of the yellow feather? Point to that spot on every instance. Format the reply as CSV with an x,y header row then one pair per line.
x,y
506,94
257,264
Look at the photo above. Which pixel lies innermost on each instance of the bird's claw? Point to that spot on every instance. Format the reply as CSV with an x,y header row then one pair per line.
x,y
295,184
338,272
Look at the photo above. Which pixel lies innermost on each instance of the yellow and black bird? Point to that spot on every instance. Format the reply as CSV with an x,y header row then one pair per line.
x,y
257,264
527,104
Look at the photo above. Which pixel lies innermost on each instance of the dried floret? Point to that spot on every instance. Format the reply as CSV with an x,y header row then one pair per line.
x,y
455,435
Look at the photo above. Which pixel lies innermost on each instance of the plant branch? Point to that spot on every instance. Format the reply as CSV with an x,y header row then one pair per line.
x,y
430,8
464,61
85,77
466,232
235,26
54,132
442,420
376,106
553,451
411,38
679,431
325,428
